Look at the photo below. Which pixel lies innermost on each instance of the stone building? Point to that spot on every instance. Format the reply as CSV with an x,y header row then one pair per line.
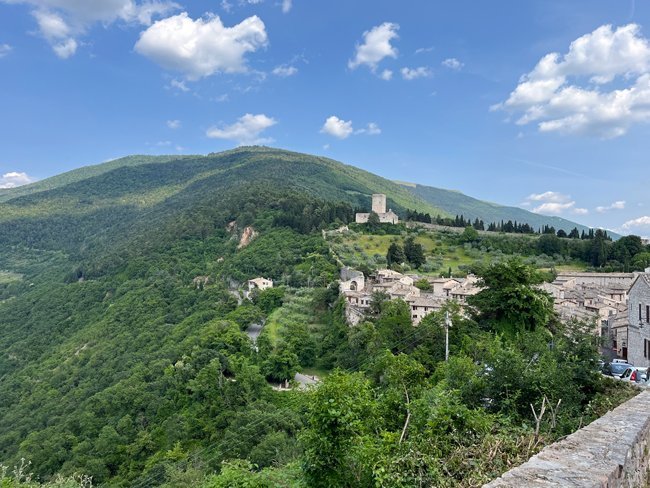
x,y
358,292
259,283
378,207
638,310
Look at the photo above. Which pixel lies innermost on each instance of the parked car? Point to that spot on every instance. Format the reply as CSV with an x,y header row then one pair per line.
x,y
616,369
635,375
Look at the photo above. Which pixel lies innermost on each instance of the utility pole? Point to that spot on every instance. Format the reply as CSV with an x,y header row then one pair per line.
x,y
447,325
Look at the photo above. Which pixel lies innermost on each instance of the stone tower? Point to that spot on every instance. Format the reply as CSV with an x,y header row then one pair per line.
x,y
379,203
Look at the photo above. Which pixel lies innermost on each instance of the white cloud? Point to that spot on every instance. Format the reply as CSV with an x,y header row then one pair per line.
x,y
376,46
245,131
620,205
57,32
202,47
553,207
424,50
453,63
372,129
337,127
62,22
14,179
284,71
286,6
640,222
386,75
550,196
553,202
571,93
342,129
5,49
174,124
414,73
179,85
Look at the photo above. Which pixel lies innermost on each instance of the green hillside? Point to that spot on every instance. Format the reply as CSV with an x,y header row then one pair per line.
x,y
456,203
124,354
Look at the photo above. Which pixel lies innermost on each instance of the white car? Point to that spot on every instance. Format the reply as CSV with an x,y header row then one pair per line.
x,y
635,375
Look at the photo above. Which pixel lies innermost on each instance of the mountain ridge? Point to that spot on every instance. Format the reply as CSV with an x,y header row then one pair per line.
x,y
181,173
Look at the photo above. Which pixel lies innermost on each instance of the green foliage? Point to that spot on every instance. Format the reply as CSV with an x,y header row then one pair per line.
x,y
470,234
269,299
115,364
395,254
423,284
340,414
414,252
509,301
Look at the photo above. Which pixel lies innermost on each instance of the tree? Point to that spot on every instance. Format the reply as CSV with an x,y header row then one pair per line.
x,y
598,251
395,254
549,244
414,252
394,323
562,233
373,221
269,299
423,284
281,365
340,414
509,301
574,234
470,234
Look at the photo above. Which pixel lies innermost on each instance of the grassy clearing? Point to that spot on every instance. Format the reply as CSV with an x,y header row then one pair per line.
x,y
441,254
7,277
297,307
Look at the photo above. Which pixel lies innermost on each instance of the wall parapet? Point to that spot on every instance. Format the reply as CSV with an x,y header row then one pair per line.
x,y
611,452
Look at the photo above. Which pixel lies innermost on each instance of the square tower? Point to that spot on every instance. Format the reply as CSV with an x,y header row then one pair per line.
x,y
379,203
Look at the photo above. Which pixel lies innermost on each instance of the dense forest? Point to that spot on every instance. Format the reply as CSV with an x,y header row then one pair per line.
x,y
124,355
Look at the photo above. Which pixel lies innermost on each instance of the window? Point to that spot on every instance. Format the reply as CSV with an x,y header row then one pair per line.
x,y
645,348
647,314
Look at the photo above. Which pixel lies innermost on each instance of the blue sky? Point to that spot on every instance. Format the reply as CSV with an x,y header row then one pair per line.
x,y
464,95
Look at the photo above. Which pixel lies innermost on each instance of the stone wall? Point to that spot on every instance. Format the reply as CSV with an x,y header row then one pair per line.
x,y
611,452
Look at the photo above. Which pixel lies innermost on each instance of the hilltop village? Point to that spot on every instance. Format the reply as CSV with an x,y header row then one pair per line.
x,y
616,305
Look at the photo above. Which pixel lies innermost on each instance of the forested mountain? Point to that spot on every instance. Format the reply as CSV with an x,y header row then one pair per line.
x,y
123,354
457,203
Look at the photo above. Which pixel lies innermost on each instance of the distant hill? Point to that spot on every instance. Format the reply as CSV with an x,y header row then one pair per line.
x,y
456,203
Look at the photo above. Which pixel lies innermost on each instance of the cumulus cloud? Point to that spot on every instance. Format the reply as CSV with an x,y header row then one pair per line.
x,y
62,22
286,6
574,92
386,75
640,222
414,73
284,71
620,205
553,202
174,124
201,47
5,49
14,179
246,130
376,46
452,63
338,128
343,129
